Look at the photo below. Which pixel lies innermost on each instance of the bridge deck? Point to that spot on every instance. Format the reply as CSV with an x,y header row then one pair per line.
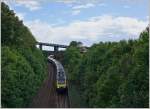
x,y
51,44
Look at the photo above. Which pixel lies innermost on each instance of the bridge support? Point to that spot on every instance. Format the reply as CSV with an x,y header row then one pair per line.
x,y
40,46
55,48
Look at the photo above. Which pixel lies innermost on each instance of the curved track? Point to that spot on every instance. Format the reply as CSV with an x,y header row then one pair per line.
x,y
47,97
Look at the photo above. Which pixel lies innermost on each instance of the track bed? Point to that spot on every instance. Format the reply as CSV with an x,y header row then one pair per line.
x,y
47,97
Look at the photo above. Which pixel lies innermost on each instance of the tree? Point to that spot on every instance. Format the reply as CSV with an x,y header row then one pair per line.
x,y
112,74
23,65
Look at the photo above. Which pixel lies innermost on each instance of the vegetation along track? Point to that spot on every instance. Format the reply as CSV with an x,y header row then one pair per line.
x,y
47,97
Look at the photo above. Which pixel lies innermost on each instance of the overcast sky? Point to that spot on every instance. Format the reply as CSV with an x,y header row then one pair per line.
x,y
61,21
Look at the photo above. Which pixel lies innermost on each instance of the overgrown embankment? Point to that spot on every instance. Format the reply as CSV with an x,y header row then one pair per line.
x,y
23,66
110,74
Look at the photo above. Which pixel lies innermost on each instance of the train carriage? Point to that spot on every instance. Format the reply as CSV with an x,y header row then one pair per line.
x,y
61,83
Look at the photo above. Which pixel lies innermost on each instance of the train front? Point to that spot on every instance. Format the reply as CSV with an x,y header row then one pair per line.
x,y
61,82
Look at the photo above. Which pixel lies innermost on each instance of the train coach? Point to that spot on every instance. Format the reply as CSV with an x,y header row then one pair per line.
x,y
61,83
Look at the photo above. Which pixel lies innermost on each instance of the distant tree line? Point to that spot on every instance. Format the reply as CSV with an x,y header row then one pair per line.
x,y
22,64
111,74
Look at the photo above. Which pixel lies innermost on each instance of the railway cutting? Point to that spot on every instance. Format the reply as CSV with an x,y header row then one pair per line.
x,y
48,96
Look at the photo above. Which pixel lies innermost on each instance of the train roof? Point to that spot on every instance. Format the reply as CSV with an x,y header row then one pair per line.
x,y
59,67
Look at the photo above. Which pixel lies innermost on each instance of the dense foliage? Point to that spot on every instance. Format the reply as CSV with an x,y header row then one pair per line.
x,y
111,74
23,66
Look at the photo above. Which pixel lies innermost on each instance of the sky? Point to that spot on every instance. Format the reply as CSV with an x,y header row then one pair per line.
x,y
87,21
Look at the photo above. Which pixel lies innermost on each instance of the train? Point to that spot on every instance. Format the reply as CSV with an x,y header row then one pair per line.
x,y
61,81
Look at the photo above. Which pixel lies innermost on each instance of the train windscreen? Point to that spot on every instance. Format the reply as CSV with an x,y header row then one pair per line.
x,y
61,77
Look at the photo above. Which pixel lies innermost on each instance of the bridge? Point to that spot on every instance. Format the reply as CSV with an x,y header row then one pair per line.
x,y
56,46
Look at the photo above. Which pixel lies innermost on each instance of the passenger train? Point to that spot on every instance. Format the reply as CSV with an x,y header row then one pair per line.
x,y
61,83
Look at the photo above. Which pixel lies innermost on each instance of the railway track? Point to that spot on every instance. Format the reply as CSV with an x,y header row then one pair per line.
x,y
47,97
63,101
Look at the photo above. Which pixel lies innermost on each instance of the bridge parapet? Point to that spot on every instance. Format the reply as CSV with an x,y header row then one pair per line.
x,y
56,46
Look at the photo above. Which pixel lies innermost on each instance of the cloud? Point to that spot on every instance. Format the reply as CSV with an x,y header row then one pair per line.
x,y
102,4
76,12
78,1
67,1
30,4
96,1
93,30
77,8
20,15
83,6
